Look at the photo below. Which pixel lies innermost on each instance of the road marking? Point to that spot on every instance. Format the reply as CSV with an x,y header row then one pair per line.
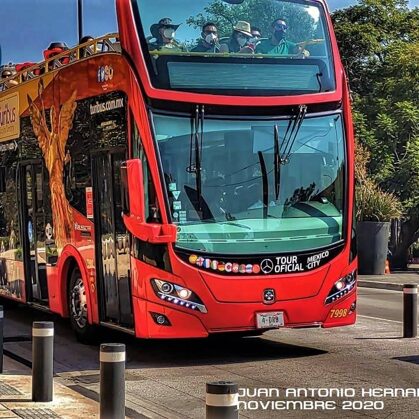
x,y
379,318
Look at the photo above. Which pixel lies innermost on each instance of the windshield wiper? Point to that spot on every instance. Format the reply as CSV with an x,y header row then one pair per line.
x,y
230,223
197,141
277,162
319,80
291,133
264,184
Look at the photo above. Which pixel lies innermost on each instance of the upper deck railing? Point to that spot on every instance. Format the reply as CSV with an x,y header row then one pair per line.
x,y
104,44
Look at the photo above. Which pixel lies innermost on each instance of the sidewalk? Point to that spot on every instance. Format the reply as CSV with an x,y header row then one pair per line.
x,y
15,397
393,281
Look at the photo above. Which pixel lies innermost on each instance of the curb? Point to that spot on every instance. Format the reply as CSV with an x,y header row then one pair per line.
x,y
380,285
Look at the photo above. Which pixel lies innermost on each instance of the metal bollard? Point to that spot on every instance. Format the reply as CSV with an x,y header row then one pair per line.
x,y
112,381
410,310
1,338
42,361
222,400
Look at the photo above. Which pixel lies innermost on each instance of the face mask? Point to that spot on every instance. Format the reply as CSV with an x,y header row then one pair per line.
x,y
241,41
211,38
169,33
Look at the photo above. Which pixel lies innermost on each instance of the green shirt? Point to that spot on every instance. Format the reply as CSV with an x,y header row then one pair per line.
x,y
283,48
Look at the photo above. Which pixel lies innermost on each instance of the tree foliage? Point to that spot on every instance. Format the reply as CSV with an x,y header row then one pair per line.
x,y
258,13
373,204
379,45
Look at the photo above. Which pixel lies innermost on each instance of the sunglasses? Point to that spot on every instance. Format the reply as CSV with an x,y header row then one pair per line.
x,y
208,32
280,26
6,75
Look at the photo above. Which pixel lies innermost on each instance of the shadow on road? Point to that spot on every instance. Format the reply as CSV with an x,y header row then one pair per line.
x,y
380,338
414,359
219,350
71,355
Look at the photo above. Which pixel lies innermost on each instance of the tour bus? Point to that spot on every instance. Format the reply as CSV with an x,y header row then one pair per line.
x,y
188,176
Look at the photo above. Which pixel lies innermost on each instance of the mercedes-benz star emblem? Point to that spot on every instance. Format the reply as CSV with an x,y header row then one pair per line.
x,y
266,266
269,296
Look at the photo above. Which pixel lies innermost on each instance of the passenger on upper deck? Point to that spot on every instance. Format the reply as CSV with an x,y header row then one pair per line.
x,y
164,32
27,75
239,40
278,44
256,36
56,48
6,74
86,51
209,41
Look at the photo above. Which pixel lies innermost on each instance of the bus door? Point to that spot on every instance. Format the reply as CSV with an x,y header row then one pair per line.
x,y
35,191
112,240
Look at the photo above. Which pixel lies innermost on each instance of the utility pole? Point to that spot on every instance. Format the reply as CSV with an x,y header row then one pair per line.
x,y
80,18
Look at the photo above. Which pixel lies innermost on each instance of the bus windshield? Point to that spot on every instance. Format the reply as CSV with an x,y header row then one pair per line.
x,y
255,186
237,47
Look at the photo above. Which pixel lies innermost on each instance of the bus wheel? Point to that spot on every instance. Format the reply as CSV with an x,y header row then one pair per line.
x,y
77,302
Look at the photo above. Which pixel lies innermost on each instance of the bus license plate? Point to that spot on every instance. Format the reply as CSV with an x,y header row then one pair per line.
x,y
268,320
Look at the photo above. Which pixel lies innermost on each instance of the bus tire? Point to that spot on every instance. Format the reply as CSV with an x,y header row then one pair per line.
x,y
77,306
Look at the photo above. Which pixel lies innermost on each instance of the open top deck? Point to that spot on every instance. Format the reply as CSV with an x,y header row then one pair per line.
x,y
105,44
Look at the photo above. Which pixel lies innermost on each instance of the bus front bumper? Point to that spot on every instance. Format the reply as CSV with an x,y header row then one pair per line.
x,y
238,317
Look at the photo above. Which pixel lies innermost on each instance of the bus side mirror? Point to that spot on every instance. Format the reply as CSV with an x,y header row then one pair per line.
x,y
133,206
124,189
132,189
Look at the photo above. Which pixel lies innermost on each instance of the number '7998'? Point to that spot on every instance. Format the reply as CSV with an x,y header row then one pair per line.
x,y
338,313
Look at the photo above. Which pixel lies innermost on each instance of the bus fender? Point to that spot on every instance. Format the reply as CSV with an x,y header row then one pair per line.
x,y
69,256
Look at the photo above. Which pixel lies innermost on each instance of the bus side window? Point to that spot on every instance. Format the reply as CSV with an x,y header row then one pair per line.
x,y
77,178
152,211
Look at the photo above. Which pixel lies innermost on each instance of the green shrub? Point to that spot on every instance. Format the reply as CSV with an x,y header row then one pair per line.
x,y
373,204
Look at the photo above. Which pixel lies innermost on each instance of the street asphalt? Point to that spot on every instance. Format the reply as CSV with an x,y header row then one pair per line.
x,y
166,379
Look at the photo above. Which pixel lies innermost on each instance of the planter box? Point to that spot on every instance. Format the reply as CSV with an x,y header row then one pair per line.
x,y
372,239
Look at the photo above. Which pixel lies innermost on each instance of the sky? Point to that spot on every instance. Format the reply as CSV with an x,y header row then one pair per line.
x,y
28,26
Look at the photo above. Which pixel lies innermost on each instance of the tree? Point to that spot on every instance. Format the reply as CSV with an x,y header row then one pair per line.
x,y
258,13
379,44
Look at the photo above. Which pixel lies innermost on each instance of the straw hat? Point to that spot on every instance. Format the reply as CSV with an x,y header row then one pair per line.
x,y
243,27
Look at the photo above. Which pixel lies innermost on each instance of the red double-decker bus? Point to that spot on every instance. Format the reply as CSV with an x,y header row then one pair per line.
x,y
191,175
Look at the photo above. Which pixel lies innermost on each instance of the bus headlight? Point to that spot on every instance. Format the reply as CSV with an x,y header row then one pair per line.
x,y
341,287
176,294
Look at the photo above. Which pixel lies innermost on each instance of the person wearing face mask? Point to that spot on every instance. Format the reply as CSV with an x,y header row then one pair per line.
x,y
239,40
256,35
164,33
278,44
209,39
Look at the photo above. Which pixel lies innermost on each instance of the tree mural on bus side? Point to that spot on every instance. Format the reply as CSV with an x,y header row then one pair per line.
x,y
52,142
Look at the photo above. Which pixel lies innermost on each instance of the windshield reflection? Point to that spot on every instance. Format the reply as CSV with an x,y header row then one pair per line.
x,y
279,182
